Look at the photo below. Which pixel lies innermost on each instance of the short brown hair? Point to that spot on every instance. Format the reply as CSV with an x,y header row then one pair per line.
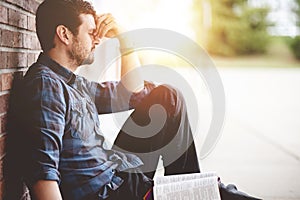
x,y
52,13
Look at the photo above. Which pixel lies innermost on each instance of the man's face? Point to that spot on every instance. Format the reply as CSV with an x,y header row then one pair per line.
x,y
83,44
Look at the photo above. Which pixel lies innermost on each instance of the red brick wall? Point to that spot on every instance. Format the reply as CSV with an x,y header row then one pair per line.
x,y
19,48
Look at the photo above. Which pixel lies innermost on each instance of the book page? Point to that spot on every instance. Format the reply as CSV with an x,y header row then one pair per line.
x,y
182,177
187,187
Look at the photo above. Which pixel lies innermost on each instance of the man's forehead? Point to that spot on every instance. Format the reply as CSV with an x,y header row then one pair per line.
x,y
87,20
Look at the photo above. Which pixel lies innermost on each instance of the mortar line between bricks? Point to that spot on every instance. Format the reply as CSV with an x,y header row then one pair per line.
x,y
5,71
16,8
4,92
19,50
13,28
2,156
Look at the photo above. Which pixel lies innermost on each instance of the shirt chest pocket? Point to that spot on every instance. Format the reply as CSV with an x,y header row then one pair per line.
x,y
82,122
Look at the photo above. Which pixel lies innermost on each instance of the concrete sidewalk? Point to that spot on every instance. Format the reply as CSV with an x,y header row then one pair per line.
x,y
259,149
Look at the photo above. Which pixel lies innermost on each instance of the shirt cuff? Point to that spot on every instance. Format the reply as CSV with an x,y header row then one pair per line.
x,y
50,175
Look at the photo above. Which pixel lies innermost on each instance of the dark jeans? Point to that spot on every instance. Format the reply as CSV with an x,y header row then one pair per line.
x,y
173,140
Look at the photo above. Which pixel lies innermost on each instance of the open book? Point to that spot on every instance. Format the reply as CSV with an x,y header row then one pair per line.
x,y
203,186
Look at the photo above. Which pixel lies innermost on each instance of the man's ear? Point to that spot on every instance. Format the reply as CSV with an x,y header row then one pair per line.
x,y
64,34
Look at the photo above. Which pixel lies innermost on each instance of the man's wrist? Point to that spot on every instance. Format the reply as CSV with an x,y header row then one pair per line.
x,y
126,45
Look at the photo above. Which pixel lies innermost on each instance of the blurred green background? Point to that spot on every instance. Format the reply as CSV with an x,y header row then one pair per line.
x,y
243,32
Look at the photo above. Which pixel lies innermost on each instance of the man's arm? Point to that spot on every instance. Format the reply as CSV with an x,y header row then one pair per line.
x,y
132,81
46,190
108,27
44,122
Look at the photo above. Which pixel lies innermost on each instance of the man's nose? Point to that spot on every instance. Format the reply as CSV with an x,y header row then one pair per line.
x,y
97,40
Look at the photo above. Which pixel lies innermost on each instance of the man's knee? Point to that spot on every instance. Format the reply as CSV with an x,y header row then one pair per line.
x,y
169,97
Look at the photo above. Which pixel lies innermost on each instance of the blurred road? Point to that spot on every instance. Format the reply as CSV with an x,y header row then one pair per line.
x,y
259,149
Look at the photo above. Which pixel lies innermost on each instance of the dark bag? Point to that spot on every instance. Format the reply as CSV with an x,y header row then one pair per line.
x,y
230,192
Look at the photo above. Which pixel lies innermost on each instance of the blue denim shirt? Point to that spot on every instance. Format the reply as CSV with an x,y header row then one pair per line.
x,y
64,142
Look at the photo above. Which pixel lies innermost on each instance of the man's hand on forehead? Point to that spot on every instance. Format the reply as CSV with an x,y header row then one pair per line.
x,y
106,26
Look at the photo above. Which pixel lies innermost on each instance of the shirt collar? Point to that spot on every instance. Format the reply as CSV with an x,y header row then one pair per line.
x,y
67,75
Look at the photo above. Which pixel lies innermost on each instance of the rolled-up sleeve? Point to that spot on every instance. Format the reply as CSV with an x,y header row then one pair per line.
x,y
45,123
112,96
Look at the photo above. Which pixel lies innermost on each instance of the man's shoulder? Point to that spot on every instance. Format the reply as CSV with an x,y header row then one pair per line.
x,y
39,71
40,78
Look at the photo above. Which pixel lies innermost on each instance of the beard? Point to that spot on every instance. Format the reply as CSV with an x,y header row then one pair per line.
x,y
81,55
89,60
